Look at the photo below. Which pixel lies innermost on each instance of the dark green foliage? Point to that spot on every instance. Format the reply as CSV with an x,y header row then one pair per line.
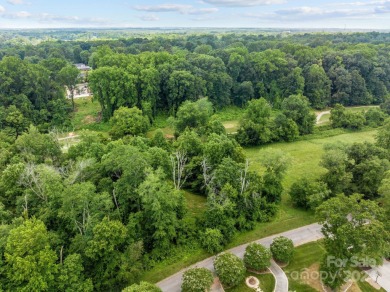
x,y
296,108
354,229
255,126
341,118
197,280
257,257
282,249
375,117
212,240
128,121
229,268
308,194
193,115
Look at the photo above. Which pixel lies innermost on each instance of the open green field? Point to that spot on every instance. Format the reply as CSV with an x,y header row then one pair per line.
x,y
305,155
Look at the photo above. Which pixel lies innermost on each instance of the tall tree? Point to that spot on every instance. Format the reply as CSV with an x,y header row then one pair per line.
x,y
69,77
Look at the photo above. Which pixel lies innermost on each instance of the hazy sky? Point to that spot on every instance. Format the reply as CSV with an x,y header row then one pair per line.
x,y
371,14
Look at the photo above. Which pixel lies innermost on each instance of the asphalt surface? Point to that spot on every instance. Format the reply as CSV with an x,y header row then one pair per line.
x,y
299,236
382,275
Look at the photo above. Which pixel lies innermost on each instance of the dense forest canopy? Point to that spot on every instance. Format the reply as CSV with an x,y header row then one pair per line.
x,y
97,216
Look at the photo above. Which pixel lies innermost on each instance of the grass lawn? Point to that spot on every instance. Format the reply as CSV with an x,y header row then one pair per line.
x,y
308,256
86,116
306,154
196,204
267,283
304,257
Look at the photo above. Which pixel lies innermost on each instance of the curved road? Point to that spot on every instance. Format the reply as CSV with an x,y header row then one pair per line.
x,y
299,236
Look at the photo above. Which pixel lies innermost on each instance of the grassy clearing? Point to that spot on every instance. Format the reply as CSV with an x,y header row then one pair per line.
x,y
267,283
196,204
305,155
86,116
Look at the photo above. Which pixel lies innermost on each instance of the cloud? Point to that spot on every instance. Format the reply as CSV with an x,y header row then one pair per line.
x,y
149,18
15,2
307,13
179,8
2,9
243,3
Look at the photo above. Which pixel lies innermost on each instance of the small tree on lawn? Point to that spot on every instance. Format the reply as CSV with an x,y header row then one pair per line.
x,y
230,269
282,249
197,280
257,257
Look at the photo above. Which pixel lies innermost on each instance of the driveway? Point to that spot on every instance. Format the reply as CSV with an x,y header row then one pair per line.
x,y
383,275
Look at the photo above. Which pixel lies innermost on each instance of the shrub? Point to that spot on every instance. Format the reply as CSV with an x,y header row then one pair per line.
x,y
212,240
197,280
229,268
257,257
142,287
282,249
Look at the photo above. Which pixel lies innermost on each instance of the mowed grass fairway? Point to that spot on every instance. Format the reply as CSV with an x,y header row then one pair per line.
x,y
305,155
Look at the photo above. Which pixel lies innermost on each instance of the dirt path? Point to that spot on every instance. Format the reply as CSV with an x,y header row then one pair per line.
x,y
319,116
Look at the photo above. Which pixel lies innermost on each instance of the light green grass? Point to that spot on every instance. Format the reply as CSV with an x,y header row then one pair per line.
x,y
86,116
267,283
304,256
196,204
305,155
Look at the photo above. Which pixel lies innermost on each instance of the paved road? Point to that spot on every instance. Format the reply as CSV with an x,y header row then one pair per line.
x,y
299,236
383,276
319,116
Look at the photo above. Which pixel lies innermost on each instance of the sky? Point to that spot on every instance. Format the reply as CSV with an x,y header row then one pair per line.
x,y
344,14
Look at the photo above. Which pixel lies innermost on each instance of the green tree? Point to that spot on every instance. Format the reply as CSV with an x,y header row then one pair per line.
x,y
193,115
282,249
128,121
71,276
354,230
113,87
296,107
162,208
197,280
257,257
317,86
338,177
113,256
276,164
229,268
308,194
69,77
30,263
375,117
255,125
383,136
212,240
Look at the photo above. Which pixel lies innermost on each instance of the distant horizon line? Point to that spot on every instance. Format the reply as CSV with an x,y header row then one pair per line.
x,y
198,27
